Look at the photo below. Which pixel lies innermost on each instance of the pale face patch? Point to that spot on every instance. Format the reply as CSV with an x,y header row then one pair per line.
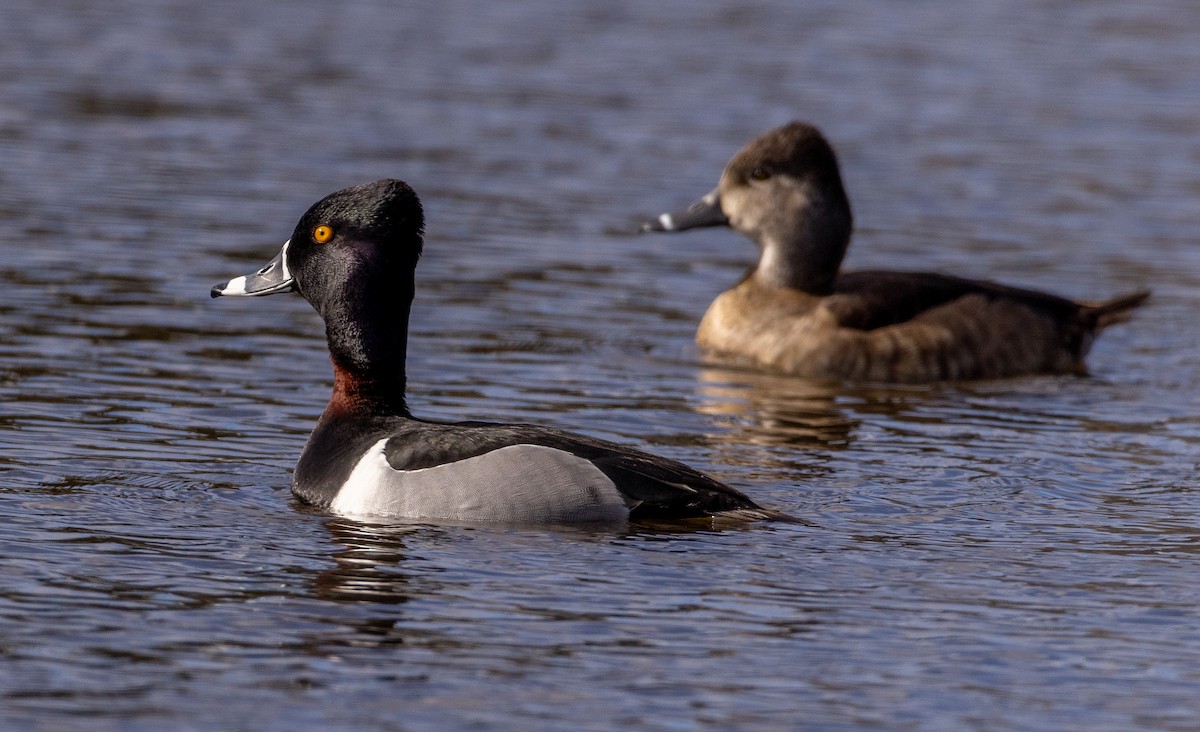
x,y
515,484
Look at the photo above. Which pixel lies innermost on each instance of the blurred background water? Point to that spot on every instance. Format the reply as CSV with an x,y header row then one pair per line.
x,y
1000,555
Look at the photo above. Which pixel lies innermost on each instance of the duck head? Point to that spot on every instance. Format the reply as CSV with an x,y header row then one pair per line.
x,y
353,256
784,191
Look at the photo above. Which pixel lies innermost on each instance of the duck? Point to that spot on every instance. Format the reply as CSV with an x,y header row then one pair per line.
x,y
353,257
795,312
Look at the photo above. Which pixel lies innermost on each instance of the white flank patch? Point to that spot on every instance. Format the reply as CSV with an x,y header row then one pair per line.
x,y
667,222
515,484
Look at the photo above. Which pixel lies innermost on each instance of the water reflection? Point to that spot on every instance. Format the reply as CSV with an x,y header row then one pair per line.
x,y
375,561
775,410
370,565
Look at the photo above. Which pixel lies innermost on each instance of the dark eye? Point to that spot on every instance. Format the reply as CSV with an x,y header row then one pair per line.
x,y
322,234
760,173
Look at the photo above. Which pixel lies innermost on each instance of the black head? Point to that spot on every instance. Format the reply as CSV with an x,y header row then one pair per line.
x,y
353,256
352,237
355,240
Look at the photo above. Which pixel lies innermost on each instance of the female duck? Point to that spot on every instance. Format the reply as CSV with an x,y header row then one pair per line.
x,y
794,311
353,256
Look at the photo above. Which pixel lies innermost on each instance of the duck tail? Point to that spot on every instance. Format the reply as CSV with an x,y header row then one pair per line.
x,y
1116,310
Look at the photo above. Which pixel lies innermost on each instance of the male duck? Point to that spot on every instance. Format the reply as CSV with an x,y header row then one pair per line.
x,y
794,312
353,256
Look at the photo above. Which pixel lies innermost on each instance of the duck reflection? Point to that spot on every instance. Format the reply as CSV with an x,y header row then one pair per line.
x,y
370,566
773,410
377,563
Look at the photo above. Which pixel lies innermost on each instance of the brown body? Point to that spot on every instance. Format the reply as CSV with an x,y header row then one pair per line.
x,y
977,334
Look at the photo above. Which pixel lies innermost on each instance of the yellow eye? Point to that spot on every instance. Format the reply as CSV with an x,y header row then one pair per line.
x,y
322,234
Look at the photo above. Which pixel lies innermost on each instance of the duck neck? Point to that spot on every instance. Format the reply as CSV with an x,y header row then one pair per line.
x,y
368,344
808,269
806,254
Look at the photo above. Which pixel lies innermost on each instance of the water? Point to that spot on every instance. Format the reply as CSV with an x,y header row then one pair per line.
x,y
1003,555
